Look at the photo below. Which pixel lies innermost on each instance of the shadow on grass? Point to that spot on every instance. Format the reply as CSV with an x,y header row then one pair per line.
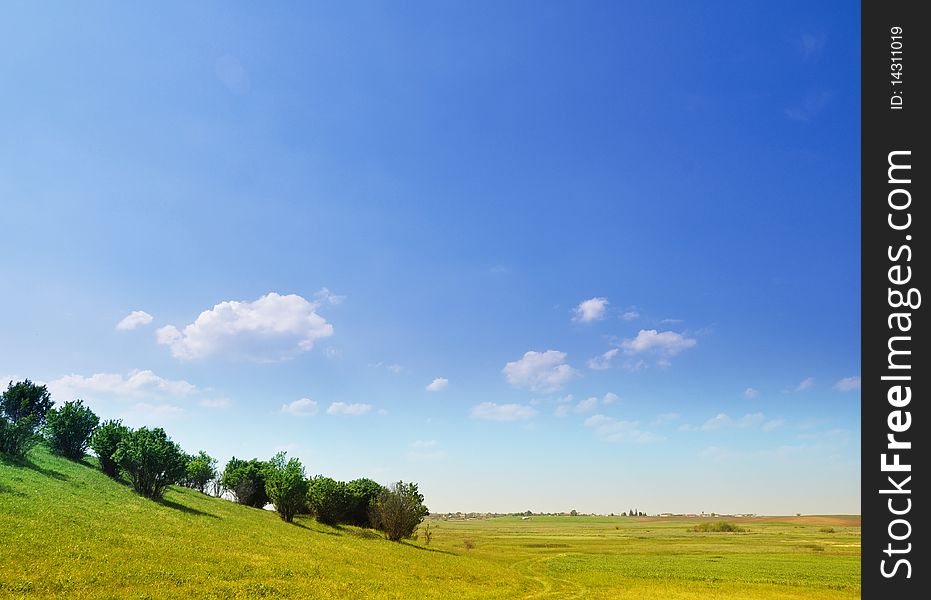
x,y
15,461
186,509
302,526
425,549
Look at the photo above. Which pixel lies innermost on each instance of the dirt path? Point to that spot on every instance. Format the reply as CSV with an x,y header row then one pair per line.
x,y
551,587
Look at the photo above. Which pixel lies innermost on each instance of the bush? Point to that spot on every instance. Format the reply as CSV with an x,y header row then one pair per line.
x,y
104,442
68,429
25,399
399,510
199,471
718,527
18,438
286,486
152,461
826,530
362,496
246,479
329,500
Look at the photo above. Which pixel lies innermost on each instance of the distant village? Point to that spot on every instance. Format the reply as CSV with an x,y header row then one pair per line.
x,y
527,515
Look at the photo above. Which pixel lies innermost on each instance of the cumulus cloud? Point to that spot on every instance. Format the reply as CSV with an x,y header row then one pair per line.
x,y
666,343
610,429
352,410
848,384
272,328
539,371
610,398
725,421
304,407
593,309
136,384
600,363
491,411
751,393
137,318
437,384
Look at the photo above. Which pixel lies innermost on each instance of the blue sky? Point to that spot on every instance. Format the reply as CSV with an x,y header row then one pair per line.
x,y
619,242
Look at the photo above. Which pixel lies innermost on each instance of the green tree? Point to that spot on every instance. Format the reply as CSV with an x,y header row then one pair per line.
x,y
152,461
246,479
104,442
25,399
286,486
399,510
17,438
200,469
68,429
329,500
362,495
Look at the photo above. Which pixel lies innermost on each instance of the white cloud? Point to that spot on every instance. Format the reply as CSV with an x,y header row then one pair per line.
x,y
848,384
134,319
352,410
630,315
136,384
539,371
773,424
562,410
490,411
667,418
304,407
600,363
587,404
724,421
805,384
610,429
272,328
610,398
424,443
437,384
590,310
751,393
325,296
216,403
666,343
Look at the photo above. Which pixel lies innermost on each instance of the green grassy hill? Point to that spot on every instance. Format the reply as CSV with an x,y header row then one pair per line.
x,y
68,531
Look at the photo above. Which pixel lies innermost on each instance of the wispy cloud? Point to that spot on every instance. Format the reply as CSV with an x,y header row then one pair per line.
x,y
600,363
351,410
848,384
809,107
437,384
751,393
137,318
490,411
630,315
610,429
304,407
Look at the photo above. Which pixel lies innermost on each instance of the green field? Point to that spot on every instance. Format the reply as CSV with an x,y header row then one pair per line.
x,y
68,531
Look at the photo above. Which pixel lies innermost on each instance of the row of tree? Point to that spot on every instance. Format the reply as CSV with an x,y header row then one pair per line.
x,y
151,462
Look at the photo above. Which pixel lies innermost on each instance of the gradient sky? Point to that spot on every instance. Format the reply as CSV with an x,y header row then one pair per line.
x,y
532,255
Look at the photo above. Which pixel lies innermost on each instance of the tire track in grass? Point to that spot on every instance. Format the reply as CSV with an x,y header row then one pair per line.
x,y
532,568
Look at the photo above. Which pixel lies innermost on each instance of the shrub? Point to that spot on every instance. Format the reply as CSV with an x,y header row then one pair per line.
x,y
68,429
399,510
329,500
199,471
826,530
427,534
25,399
718,527
151,459
17,438
246,479
286,486
362,496
469,544
104,442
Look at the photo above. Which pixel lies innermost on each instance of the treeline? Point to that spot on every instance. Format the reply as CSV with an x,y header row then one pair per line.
x,y
151,462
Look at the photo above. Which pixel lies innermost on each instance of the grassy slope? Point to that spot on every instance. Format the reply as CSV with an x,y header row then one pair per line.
x,y
68,531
